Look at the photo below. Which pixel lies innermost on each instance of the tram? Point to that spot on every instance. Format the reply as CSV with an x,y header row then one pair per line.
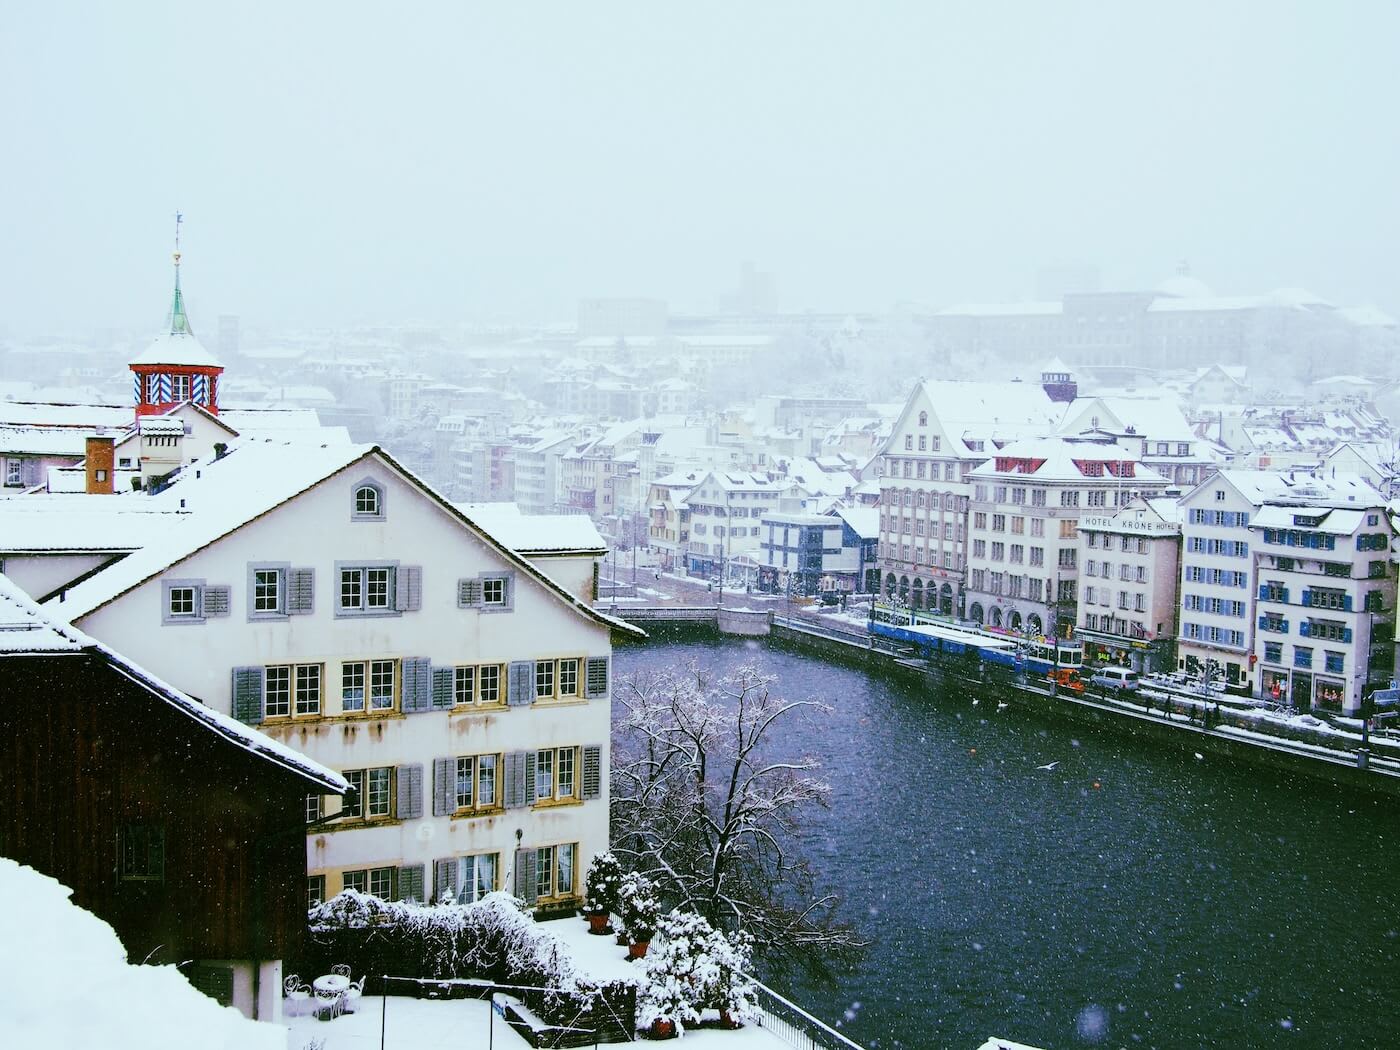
x,y
932,638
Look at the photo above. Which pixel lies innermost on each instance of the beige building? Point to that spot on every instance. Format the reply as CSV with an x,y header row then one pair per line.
x,y
1130,570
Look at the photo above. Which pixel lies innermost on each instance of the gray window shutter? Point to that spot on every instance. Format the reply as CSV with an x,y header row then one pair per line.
x,y
592,771
301,591
216,601
417,684
444,786
510,590
408,588
409,804
525,875
444,878
468,594
30,472
248,694
411,883
520,687
514,795
444,688
529,777
596,677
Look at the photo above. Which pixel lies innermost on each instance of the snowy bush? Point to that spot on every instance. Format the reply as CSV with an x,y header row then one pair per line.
x,y
694,968
602,883
494,939
638,906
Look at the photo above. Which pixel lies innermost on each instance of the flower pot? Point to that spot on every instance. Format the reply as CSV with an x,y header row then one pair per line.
x,y
598,922
662,1028
622,938
638,949
726,1020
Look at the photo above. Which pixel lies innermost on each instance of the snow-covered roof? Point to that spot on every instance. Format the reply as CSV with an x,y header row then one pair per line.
x,y
176,348
1262,486
254,478
864,521
1366,317
63,414
1058,460
536,533
79,989
43,441
74,479
1335,521
1156,418
27,629
55,523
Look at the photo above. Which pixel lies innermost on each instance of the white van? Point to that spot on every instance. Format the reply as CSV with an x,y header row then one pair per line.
x,y
1116,680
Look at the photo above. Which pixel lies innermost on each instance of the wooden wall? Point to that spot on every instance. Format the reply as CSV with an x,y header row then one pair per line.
x,y
84,751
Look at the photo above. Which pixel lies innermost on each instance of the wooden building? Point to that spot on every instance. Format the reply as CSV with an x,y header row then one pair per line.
x,y
182,828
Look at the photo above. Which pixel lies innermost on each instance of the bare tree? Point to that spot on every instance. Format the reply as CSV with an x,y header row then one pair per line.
x,y
700,804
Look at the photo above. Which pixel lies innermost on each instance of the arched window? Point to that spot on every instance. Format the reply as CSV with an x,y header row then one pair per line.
x,y
369,501
1033,624
996,616
945,599
975,612
923,419
1015,621
919,500
904,588
917,600
890,585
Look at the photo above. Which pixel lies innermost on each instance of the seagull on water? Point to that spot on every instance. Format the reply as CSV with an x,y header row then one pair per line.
x,y
1198,755
1049,765
1002,705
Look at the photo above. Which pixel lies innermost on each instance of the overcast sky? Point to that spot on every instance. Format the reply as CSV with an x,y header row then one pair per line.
x,y
342,163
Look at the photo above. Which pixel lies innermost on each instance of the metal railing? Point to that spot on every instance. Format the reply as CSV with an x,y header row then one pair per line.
x,y
795,1026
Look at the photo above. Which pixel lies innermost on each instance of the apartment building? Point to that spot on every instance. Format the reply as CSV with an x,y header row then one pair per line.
x,y
329,597
1325,614
1130,571
726,509
1023,538
944,431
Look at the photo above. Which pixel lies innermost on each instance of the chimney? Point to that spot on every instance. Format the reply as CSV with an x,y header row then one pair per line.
x,y
100,454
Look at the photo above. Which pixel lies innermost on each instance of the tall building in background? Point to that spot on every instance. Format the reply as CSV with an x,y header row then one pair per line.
x,y
228,340
615,318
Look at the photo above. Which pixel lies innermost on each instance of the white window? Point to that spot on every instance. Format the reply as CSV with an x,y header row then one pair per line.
x,y
179,388
554,870
373,792
367,589
476,782
291,689
368,502
476,877
555,774
269,586
367,680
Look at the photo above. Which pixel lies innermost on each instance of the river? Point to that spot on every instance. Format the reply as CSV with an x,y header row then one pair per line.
x,y
1129,896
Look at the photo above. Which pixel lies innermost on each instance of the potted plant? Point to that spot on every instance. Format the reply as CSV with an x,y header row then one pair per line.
x,y
639,908
600,891
665,1003
730,989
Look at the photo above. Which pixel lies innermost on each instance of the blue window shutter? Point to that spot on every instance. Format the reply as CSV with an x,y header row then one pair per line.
x,y
409,804
596,676
520,683
514,796
301,592
411,882
1346,634
444,878
216,601
1307,597
592,772
408,588
417,685
525,875
444,786
1346,604
248,694
444,692
1303,628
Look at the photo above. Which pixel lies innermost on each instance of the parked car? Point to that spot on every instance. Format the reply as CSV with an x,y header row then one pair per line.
x,y
1116,679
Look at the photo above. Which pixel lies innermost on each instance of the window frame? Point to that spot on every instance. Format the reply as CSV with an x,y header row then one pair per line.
x,y
359,780
559,758
548,866
477,764
147,840
196,589
363,569
282,571
377,487
464,882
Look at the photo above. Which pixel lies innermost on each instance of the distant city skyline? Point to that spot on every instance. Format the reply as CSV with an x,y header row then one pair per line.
x,y
337,166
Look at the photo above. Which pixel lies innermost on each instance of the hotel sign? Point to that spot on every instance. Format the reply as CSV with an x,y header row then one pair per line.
x,y
1135,525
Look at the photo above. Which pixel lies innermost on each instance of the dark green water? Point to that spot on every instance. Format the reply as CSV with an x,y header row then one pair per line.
x,y
1132,896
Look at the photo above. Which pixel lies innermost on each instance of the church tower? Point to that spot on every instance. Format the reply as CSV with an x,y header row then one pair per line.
x,y
176,368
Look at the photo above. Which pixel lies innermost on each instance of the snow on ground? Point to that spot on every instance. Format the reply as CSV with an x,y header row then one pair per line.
x,y
69,984
427,1024
414,1024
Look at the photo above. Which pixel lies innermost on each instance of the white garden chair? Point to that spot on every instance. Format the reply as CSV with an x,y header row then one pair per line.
x,y
329,1004
297,993
353,994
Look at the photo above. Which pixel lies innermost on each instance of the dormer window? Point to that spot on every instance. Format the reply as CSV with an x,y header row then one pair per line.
x,y
923,419
369,502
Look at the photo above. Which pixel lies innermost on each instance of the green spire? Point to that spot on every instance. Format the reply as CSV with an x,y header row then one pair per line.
x,y
179,320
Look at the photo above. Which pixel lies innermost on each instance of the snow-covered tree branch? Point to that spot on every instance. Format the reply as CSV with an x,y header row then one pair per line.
x,y
702,806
